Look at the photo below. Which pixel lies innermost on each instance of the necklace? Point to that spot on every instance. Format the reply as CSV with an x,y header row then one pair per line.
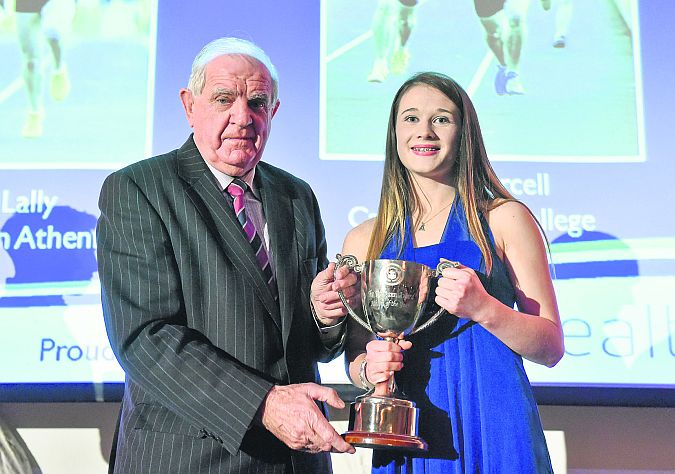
x,y
421,227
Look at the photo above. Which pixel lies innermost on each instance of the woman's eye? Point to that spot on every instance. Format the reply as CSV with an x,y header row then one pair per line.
x,y
442,120
410,118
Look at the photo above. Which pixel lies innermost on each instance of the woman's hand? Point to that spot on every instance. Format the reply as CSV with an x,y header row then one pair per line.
x,y
461,293
383,358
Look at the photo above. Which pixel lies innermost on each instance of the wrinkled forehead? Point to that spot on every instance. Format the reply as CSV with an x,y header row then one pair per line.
x,y
240,69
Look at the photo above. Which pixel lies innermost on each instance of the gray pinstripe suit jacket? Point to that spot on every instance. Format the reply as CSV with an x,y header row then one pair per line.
x,y
193,323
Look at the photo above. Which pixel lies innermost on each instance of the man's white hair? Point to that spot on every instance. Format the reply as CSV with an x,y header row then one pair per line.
x,y
223,46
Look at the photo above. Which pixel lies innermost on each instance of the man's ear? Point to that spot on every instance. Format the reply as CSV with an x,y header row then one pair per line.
x,y
275,108
187,99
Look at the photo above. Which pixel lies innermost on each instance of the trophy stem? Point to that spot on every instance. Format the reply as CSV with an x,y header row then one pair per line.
x,y
391,389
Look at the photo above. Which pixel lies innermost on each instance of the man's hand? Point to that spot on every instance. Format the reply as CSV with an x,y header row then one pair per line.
x,y
290,413
327,304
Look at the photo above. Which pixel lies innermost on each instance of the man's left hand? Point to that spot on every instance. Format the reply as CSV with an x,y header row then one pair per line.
x,y
290,414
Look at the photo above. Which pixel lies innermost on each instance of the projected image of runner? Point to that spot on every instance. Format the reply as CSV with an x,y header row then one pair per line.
x,y
552,80
74,82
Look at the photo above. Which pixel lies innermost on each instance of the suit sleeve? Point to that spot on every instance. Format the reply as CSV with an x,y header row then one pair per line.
x,y
333,339
146,322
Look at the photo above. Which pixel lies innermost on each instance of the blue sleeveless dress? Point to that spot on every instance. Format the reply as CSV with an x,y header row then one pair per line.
x,y
477,411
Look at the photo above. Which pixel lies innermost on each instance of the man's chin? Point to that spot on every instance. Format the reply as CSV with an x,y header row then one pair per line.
x,y
234,165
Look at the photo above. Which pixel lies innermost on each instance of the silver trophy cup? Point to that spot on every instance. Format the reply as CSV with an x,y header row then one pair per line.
x,y
394,294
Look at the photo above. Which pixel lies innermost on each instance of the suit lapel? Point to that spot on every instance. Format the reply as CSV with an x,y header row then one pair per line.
x,y
212,205
278,207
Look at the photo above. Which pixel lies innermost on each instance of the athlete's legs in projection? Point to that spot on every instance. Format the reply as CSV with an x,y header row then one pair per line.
x,y
31,44
384,34
516,14
493,20
34,29
392,24
563,16
406,22
57,17
494,26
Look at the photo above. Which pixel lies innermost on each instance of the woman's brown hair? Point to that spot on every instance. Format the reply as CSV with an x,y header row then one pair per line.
x,y
476,182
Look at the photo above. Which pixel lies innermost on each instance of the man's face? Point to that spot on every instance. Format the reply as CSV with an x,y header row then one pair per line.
x,y
231,118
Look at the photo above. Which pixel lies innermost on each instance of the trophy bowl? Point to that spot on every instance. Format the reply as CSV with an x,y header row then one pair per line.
x,y
394,294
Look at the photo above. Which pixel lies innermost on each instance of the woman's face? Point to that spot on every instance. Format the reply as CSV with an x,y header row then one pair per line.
x,y
428,128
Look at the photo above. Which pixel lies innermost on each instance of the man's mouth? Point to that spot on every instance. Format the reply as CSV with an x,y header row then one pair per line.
x,y
238,138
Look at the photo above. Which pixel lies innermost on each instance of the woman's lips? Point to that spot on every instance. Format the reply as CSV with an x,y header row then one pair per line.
x,y
425,149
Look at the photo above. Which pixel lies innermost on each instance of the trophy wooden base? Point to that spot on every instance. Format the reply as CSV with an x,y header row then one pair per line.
x,y
381,422
364,439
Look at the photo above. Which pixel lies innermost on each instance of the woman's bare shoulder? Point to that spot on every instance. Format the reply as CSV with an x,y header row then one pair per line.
x,y
357,239
512,222
508,214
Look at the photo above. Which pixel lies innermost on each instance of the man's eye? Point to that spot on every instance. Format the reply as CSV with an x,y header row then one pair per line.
x,y
258,103
223,100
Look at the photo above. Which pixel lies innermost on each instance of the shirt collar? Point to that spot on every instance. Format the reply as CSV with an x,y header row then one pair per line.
x,y
225,179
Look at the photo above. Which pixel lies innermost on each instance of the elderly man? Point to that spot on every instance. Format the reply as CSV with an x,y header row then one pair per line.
x,y
213,297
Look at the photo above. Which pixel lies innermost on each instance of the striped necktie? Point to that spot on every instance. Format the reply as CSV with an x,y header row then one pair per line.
x,y
237,189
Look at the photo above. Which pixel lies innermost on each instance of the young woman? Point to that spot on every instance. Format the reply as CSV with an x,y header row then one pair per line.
x,y
441,199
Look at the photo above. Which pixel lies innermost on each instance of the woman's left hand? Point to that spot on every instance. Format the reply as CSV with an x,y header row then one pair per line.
x,y
461,293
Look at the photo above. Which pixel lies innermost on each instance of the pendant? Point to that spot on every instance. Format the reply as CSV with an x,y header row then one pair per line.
x,y
421,227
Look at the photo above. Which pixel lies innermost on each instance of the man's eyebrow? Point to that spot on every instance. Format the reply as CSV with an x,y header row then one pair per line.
x,y
259,95
222,92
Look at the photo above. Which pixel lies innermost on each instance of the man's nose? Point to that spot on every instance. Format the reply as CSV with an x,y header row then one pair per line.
x,y
240,113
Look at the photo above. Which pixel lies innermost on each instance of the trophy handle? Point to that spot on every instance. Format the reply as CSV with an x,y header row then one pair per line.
x,y
436,273
351,262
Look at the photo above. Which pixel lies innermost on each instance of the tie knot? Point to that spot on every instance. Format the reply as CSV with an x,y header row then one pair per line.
x,y
236,188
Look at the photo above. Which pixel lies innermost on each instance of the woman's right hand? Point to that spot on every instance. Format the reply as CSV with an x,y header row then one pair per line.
x,y
384,358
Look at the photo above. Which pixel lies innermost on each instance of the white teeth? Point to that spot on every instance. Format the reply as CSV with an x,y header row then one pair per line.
x,y
424,148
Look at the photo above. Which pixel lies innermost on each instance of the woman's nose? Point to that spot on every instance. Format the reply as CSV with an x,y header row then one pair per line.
x,y
425,130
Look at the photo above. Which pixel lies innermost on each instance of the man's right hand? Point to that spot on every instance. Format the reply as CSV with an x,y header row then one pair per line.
x,y
327,303
290,413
